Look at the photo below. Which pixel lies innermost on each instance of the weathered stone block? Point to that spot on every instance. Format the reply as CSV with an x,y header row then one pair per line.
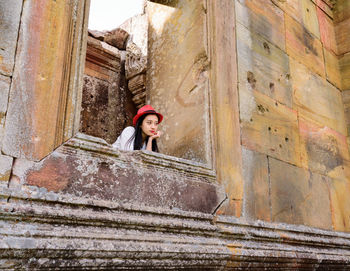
x,y
341,11
346,102
262,67
263,18
41,111
326,108
342,32
256,201
291,7
344,65
224,95
5,167
137,27
4,92
117,38
10,14
310,17
340,201
303,46
88,167
327,9
137,83
269,127
299,196
332,68
177,77
102,60
327,31
324,150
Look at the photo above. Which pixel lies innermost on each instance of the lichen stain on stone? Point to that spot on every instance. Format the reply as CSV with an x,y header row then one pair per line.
x,y
324,151
53,175
251,79
308,40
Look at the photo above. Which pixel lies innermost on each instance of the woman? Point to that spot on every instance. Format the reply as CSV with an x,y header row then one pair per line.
x,y
144,133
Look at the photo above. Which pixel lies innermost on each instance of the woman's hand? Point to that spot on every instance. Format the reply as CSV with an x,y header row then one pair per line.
x,y
156,135
149,143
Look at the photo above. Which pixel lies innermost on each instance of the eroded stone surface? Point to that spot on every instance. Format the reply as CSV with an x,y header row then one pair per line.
x,y
263,67
256,186
130,177
107,106
299,196
177,78
303,46
10,14
5,167
263,18
269,127
327,106
4,93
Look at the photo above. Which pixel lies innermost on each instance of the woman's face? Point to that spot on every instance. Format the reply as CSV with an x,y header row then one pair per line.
x,y
149,125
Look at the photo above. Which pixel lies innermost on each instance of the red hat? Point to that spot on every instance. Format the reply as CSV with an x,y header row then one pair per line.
x,y
147,109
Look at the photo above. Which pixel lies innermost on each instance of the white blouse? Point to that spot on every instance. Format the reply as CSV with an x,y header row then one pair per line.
x,y
122,142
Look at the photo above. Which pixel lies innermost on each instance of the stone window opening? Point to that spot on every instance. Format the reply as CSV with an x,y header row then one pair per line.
x,y
114,80
138,62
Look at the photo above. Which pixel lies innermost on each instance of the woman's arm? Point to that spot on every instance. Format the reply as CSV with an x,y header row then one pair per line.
x,y
150,139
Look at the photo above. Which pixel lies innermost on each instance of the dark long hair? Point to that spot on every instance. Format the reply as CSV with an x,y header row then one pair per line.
x,y
138,135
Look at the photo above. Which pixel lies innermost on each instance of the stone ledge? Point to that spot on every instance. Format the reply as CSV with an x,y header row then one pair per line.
x,y
88,167
95,144
69,234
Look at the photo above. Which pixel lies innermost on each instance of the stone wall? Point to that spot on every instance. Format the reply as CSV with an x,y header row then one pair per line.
x,y
283,79
253,100
293,129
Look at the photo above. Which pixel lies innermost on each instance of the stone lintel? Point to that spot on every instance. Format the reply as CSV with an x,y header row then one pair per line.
x,y
40,231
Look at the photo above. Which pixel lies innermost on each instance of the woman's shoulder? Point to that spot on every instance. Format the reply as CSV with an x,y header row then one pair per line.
x,y
128,130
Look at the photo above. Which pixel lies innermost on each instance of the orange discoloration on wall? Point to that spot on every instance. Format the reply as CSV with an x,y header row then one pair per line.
x,y
38,97
54,175
327,31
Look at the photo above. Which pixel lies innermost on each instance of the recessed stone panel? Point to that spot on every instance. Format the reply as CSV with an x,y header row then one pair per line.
x,y
269,127
256,186
298,196
303,46
316,99
263,18
10,14
263,66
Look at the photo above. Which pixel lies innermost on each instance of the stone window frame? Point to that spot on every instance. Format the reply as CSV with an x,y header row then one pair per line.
x,y
50,131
